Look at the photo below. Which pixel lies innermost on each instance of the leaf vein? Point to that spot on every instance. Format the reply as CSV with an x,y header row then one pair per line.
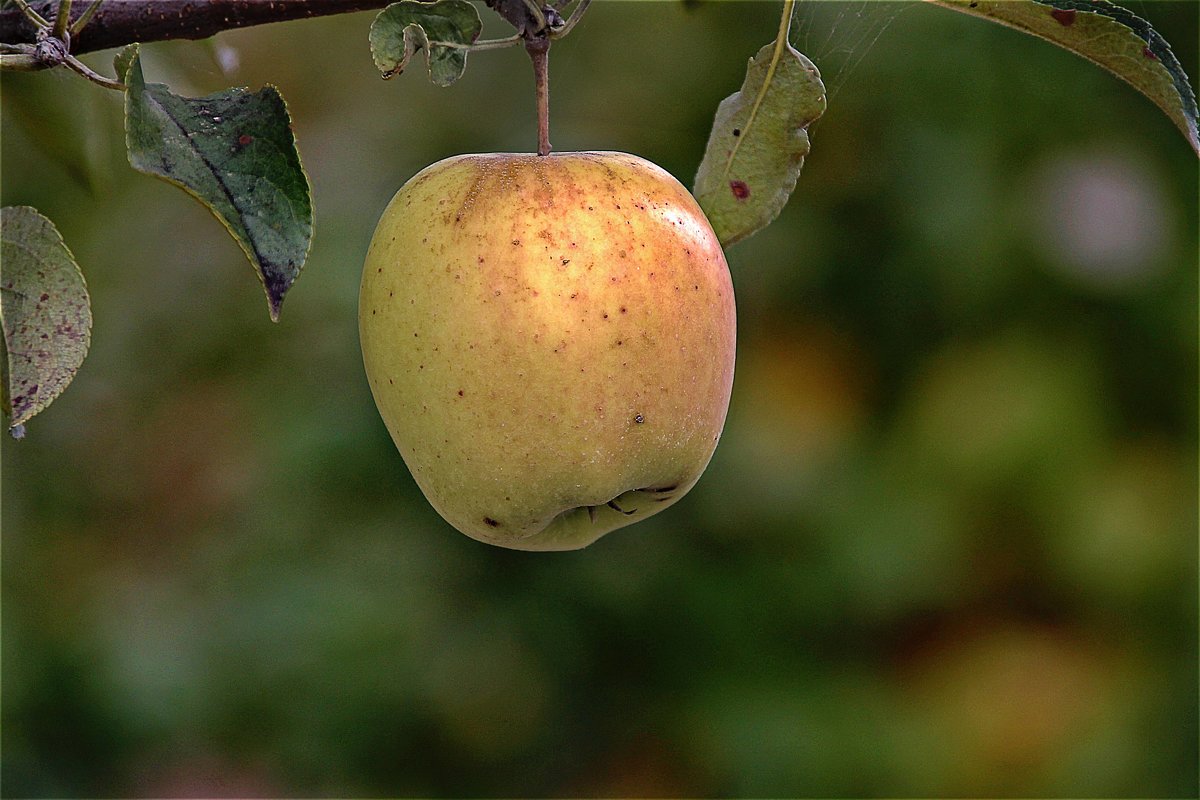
x,y
216,176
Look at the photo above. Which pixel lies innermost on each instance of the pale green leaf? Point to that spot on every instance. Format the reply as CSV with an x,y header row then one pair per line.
x,y
124,59
444,30
46,314
758,142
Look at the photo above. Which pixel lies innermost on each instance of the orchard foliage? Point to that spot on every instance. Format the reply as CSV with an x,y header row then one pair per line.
x,y
234,151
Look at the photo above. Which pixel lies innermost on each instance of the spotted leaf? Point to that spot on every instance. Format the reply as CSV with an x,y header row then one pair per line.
x,y
758,142
46,314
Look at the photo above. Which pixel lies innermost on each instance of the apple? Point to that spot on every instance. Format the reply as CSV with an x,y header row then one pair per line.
x,y
549,340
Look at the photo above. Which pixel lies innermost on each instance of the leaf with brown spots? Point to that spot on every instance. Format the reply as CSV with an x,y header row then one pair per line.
x,y
45,311
1107,35
758,142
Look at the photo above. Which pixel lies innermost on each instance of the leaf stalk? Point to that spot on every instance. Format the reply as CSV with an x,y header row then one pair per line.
x,y
37,19
77,66
572,21
85,17
781,44
62,22
539,52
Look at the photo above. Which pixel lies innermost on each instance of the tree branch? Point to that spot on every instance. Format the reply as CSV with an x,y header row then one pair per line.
x,y
119,22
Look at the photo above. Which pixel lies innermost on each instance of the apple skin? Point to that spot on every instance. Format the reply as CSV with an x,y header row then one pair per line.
x,y
549,340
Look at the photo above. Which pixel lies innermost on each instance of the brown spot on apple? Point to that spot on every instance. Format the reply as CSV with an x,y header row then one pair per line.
x,y
740,190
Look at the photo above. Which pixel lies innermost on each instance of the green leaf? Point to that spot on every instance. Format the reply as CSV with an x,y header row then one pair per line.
x,y
124,59
233,151
758,142
444,30
1105,34
46,314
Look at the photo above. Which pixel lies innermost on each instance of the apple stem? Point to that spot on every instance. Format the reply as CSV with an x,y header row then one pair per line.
x,y
538,48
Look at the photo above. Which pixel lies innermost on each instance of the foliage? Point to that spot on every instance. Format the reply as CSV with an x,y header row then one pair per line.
x,y
946,547
759,141
253,182
1105,34
404,28
47,320
234,152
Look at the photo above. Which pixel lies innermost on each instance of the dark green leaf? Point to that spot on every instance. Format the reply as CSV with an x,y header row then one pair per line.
x,y
443,30
758,142
1107,35
235,152
47,317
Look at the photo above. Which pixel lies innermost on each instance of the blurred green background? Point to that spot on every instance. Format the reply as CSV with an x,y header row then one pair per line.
x,y
948,543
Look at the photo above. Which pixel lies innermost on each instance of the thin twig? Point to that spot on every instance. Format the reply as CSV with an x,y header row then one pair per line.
x,y
85,17
95,77
538,16
576,15
62,21
495,44
34,17
486,44
20,62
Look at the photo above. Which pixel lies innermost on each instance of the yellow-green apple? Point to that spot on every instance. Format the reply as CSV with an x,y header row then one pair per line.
x,y
550,341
